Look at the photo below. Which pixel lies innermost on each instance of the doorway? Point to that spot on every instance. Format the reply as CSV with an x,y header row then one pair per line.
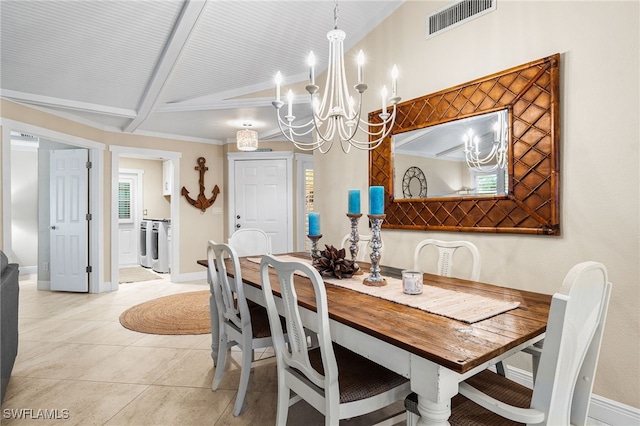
x,y
123,155
48,140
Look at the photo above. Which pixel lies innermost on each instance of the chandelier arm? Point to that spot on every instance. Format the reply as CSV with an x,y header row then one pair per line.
x,y
290,125
384,131
346,146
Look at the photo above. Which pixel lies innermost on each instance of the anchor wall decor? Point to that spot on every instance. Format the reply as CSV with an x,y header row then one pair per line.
x,y
202,202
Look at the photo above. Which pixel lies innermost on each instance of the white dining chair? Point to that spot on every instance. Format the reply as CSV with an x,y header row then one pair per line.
x,y
334,380
250,242
364,251
446,251
237,322
564,380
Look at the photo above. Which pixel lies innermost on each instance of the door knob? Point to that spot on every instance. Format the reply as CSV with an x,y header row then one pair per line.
x,y
238,225
237,216
53,227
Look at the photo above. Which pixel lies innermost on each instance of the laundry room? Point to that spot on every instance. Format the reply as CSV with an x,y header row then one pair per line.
x,y
144,208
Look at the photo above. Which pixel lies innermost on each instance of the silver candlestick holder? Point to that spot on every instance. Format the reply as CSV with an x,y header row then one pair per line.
x,y
315,253
354,238
374,278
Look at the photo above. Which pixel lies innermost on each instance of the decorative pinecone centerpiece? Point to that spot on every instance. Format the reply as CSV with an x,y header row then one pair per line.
x,y
332,263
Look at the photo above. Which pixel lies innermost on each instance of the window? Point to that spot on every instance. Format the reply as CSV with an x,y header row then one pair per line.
x,y
308,202
493,183
124,201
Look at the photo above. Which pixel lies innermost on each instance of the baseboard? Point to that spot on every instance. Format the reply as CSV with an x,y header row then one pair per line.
x,y
602,409
28,270
191,276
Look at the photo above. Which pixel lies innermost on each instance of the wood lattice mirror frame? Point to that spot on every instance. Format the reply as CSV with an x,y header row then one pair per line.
x,y
530,92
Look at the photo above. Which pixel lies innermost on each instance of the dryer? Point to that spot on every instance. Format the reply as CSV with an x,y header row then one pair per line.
x,y
145,243
160,245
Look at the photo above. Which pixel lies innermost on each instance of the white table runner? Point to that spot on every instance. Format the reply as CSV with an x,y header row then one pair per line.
x,y
452,304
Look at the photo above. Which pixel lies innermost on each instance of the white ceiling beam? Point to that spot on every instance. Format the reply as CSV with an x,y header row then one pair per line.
x,y
229,104
185,24
51,102
232,98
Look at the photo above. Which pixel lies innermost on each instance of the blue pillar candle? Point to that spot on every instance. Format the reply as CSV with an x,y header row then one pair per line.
x,y
314,224
376,200
354,201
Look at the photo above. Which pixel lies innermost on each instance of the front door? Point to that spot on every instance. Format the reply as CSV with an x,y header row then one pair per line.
x,y
69,203
261,199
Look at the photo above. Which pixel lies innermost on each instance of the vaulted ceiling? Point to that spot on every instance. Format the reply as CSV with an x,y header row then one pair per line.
x,y
195,69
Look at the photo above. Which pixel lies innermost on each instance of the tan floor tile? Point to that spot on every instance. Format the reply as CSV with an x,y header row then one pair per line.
x,y
111,333
66,361
171,341
56,330
194,370
164,405
134,365
71,402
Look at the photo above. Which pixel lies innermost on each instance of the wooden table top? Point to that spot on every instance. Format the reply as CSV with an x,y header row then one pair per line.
x,y
453,344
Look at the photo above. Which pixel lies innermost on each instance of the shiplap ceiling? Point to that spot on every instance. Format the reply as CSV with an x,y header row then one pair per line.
x,y
194,69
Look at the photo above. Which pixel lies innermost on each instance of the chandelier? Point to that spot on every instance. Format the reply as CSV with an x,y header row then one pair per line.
x,y
335,113
478,158
247,140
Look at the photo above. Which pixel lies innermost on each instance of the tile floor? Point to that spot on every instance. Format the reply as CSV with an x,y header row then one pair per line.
x,y
77,362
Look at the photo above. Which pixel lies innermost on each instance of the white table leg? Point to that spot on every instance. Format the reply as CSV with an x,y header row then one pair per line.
x,y
435,386
433,413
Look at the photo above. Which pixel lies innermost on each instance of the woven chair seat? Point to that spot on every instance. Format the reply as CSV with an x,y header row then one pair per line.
x,y
467,413
359,377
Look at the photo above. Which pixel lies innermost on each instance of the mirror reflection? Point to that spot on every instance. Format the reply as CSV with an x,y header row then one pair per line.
x,y
461,158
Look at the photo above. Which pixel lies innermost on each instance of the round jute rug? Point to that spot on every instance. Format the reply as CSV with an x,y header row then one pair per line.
x,y
185,313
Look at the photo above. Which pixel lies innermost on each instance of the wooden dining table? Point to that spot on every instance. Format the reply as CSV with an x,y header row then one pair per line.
x,y
434,352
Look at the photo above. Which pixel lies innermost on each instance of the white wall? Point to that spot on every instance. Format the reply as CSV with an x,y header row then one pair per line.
x,y
24,198
599,127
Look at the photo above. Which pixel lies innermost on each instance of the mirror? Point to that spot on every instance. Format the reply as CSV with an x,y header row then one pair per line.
x,y
527,99
441,161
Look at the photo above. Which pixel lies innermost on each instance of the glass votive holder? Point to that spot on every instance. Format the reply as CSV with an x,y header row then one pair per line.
x,y
412,282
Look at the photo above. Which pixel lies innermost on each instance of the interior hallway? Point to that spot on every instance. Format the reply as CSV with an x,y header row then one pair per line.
x,y
74,357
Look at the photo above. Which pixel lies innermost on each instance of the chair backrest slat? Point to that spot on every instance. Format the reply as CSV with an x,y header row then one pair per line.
x,y
446,251
296,355
229,297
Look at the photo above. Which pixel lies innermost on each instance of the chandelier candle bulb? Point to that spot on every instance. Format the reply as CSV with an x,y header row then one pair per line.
x,y
376,200
360,64
312,63
290,103
278,83
314,224
354,201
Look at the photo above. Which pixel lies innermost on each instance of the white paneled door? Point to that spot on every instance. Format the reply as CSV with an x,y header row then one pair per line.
x,y
129,214
69,192
261,199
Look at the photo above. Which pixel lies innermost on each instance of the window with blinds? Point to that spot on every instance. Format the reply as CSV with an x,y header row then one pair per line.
x,y
308,202
124,201
495,183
